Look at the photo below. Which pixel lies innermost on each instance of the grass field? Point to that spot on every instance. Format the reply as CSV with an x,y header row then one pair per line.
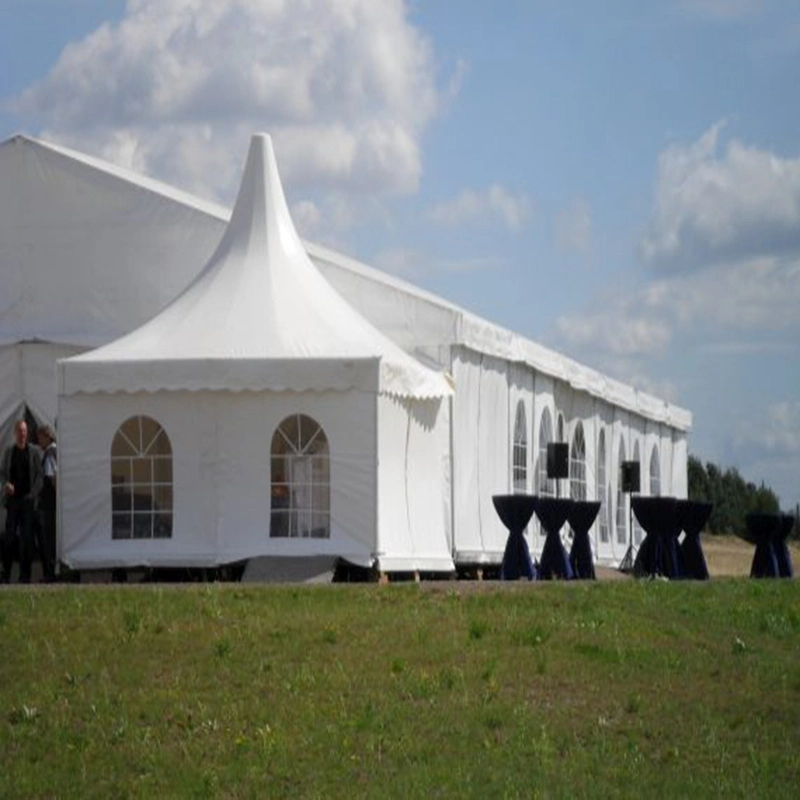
x,y
617,688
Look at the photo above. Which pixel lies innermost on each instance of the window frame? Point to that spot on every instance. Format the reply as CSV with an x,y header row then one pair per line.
x,y
545,487
620,520
601,488
655,474
577,464
142,480
519,449
300,480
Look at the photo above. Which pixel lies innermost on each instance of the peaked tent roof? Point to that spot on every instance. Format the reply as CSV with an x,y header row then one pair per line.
x,y
260,315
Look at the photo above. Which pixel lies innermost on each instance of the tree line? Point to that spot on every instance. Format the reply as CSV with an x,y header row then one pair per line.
x,y
733,497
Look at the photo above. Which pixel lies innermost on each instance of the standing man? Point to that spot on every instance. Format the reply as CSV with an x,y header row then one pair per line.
x,y
21,478
47,501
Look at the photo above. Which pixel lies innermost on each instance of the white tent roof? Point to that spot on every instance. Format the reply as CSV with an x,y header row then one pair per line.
x,y
258,316
89,251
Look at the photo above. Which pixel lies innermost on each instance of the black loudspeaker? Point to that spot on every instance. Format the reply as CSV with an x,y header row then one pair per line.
x,y
557,460
630,476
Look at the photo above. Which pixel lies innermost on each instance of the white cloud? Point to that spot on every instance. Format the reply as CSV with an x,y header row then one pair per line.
x,y
738,348
513,210
307,218
616,330
346,87
574,229
755,296
776,432
767,444
711,207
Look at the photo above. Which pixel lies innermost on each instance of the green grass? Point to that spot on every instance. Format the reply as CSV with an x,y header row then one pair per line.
x,y
637,689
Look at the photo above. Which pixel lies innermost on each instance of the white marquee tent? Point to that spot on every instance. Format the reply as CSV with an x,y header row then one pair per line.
x,y
178,431
91,251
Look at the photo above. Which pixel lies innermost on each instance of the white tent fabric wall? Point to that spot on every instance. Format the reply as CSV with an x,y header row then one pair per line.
x,y
413,525
28,372
680,480
481,455
221,476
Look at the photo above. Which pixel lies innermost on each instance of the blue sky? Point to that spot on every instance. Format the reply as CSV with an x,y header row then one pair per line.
x,y
618,180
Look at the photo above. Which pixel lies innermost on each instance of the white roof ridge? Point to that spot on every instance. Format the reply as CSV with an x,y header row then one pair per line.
x,y
126,174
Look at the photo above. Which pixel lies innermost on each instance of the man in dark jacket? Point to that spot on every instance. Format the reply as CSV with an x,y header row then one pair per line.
x,y
21,479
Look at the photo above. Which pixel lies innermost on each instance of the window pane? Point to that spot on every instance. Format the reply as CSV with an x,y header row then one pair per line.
x,y
121,471
290,429
131,430
162,528
320,469
122,446
162,470
121,526
142,526
142,498
142,470
160,446
279,523
162,498
150,430
121,498
319,526
308,430
319,446
279,469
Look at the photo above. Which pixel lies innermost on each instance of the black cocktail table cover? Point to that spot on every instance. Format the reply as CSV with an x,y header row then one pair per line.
x,y
781,548
658,554
581,517
553,513
763,530
515,511
692,517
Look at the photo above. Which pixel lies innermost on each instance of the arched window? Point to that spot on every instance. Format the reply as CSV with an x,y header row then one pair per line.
x,y
577,465
655,473
520,451
638,531
546,488
602,517
300,480
141,481
621,520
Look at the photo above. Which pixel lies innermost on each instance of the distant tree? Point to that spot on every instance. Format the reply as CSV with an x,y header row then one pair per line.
x,y
698,480
733,498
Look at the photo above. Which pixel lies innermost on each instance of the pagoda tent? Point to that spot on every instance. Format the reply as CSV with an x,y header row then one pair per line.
x,y
258,414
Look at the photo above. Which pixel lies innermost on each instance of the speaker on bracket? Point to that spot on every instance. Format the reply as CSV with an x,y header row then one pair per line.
x,y
557,460
629,471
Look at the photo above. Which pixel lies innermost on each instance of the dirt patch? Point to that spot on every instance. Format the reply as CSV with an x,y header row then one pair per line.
x,y
729,555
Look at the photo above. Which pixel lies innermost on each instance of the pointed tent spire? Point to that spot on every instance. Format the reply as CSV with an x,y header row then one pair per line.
x,y
260,315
